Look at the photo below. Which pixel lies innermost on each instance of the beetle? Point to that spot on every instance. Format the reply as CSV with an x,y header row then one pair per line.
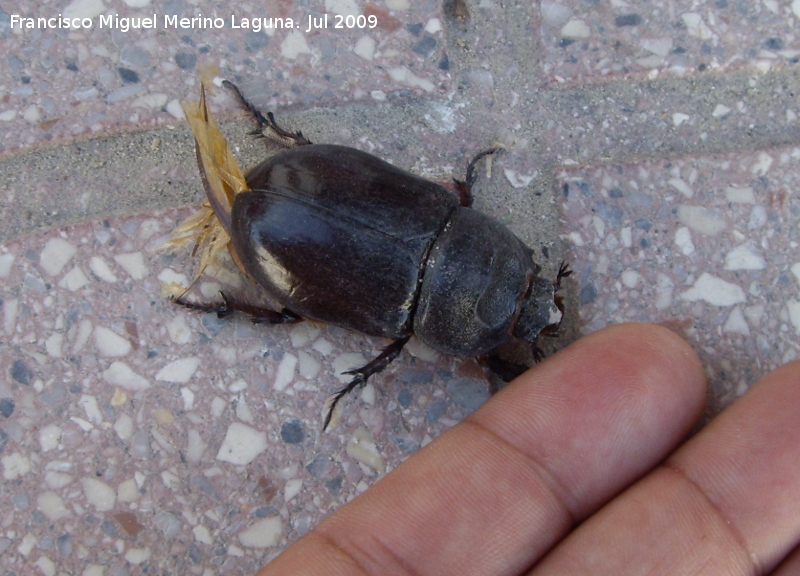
x,y
336,235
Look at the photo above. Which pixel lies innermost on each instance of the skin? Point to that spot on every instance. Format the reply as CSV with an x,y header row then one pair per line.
x,y
581,466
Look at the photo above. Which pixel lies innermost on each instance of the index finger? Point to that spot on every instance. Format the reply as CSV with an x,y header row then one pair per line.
x,y
494,493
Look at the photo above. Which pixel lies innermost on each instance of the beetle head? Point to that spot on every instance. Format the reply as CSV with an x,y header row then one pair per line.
x,y
542,311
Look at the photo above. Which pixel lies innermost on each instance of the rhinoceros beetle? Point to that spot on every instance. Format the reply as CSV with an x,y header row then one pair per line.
x,y
338,236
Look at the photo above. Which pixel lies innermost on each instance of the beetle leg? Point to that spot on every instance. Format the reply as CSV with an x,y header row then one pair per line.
x,y
227,307
287,138
504,369
563,271
362,374
464,187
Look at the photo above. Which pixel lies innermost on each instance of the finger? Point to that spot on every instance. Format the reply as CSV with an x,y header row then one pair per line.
x,y
725,503
491,495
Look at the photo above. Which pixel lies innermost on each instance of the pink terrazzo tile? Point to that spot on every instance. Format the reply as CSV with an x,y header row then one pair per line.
x,y
706,245
59,83
594,40
143,437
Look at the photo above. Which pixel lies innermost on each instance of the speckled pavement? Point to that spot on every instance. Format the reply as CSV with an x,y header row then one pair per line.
x,y
656,147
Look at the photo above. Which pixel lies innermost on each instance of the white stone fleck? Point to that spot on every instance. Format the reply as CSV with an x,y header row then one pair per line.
x,y
630,278
322,346
754,314
15,465
84,425
94,570
683,240
55,255
128,491
419,349
32,114
49,437
27,544
218,407
714,290
242,444
81,335
348,361
202,534
51,505
405,76
124,426
170,276
758,217
303,333
91,408
695,26
137,556
679,118
243,411
188,399
99,494
110,344
398,5
178,330
681,187
762,165
365,47
100,268
554,13
46,566
576,29
516,179
83,9
6,260
175,109
54,345
292,489
286,371
793,306
433,26
74,280
120,374
744,257
626,236
660,46
264,533
721,111
10,309
736,324
294,45
179,371
361,447
154,101
701,219
133,263
57,480
796,8
378,95
195,446
664,287
309,366
740,195
368,394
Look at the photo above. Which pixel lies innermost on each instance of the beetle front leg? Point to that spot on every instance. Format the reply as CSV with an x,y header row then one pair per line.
x,y
287,138
361,374
257,314
464,187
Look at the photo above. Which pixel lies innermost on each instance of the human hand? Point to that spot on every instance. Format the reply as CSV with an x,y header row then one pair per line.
x,y
577,467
